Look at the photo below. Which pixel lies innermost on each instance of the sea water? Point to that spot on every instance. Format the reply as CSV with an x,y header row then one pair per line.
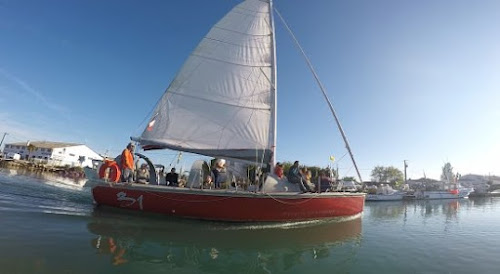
x,y
50,225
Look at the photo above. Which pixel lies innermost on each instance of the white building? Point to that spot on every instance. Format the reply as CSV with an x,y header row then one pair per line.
x,y
54,153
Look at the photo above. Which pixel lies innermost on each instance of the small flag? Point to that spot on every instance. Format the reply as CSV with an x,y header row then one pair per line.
x,y
151,124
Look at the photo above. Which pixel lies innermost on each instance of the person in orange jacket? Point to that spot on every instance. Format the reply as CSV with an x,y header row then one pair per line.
x,y
128,163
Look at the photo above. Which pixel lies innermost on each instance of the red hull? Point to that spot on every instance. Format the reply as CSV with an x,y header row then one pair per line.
x,y
230,206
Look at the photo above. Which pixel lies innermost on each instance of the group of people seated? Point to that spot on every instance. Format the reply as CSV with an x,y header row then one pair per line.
x,y
302,177
218,176
142,176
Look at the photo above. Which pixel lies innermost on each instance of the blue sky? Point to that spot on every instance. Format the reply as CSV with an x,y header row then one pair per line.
x,y
410,80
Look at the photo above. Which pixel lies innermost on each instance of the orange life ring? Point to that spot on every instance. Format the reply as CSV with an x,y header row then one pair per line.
x,y
114,171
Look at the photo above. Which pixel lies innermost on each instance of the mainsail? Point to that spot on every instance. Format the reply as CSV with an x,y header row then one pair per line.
x,y
222,101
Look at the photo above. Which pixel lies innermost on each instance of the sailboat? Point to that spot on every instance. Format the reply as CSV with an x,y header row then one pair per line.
x,y
222,104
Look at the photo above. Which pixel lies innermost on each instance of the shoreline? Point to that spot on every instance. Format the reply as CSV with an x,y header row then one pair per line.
x,y
63,171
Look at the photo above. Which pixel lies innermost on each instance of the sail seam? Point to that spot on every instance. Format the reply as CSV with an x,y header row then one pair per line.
x,y
264,12
239,32
246,97
187,142
254,14
228,62
229,43
218,102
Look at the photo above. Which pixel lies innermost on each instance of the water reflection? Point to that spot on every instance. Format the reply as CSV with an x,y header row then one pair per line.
x,y
430,208
386,210
212,246
426,208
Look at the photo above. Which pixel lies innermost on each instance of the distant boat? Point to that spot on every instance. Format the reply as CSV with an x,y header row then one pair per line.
x,y
222,104
386,193
396,196
458,193
449,189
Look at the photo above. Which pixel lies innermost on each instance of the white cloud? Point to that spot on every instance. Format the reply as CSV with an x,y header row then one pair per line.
x,y
25,87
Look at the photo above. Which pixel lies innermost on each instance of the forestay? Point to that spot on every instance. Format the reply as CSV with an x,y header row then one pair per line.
x,y
222,101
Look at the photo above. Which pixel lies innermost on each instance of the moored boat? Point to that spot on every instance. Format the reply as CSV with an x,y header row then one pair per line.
x,y
396,196
441,194
386,193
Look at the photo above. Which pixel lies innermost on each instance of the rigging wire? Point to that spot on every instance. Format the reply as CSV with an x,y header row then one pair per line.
x,y
316,77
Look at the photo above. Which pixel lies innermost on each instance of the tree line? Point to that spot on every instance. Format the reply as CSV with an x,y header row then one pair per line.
x,y
393,175
380,174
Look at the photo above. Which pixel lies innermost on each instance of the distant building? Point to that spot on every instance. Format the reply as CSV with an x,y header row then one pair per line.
x,y
472,180
54,153
480,183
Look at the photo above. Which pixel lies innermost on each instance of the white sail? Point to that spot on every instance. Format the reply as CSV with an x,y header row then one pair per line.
x,y
222,102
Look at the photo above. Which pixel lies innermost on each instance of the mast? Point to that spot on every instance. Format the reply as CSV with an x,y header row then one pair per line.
x,y
309,64
274,95
3,138
406,166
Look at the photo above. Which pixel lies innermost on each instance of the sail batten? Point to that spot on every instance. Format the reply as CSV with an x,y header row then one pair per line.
x,y
221,101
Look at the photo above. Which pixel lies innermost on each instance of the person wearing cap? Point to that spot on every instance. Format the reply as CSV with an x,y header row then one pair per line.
x,y
219,173
127,163
172,178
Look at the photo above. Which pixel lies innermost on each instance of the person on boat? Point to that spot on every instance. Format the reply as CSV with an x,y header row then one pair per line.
x,y
295,177
172,178
312,185
278,170
219,173
142,174
207,182
127,163
306,178
182,181
306,175
325,181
